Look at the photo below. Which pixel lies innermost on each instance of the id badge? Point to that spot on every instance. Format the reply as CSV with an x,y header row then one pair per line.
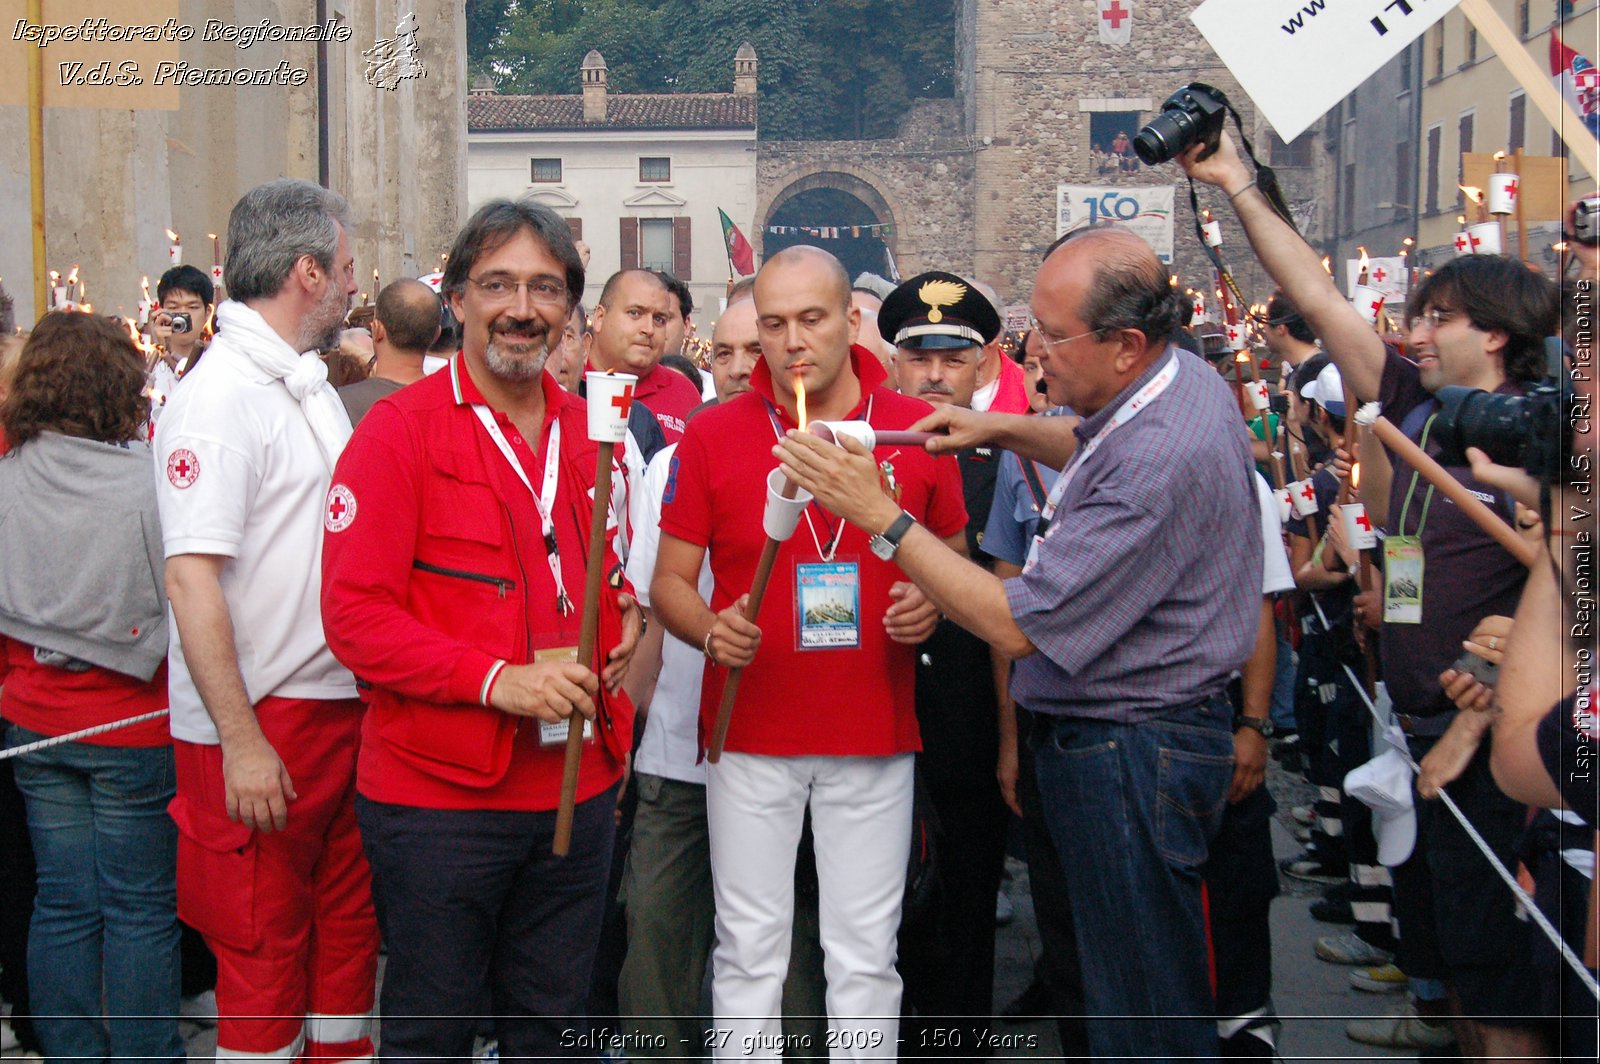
x,y
1033,554
827,604
1402,580
556,734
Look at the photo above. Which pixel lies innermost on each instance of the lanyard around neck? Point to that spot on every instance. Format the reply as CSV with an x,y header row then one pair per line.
x,y
544,499
1427,500
1125,413
835,534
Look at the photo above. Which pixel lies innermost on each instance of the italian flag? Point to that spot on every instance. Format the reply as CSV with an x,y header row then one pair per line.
x,y
740,255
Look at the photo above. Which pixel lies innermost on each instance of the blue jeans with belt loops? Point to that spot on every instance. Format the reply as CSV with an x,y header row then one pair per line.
x,y
1132,809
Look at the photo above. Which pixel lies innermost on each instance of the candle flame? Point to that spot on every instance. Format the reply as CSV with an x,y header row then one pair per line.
x,y
54,276
1327,266
1461,219
1559,245
1472,192
72,278
144,284
173,237
1172,279
1355,475
1499,155
1242,357
211,236
800,401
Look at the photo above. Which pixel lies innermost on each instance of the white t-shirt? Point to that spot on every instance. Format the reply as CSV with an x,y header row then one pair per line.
x,y
239,474
1276,575
671,743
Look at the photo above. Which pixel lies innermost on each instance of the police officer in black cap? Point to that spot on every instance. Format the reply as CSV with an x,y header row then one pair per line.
x,y
939,323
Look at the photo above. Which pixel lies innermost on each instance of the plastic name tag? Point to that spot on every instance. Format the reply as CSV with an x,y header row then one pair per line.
x,y
1402,580
827,603
556,734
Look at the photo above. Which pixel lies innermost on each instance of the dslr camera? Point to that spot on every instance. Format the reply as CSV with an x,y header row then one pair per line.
x,y
1586,221
1193,114
180,322
1533,430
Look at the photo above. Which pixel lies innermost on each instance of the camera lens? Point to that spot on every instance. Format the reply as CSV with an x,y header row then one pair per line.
x,y
1165,137
182,323
1498,425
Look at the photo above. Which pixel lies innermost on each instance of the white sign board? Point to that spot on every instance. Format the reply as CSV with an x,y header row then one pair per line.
x,y
1387,275
1297,58
1146,210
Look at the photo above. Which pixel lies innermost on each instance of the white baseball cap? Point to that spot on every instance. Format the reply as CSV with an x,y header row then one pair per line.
x,y
1384,786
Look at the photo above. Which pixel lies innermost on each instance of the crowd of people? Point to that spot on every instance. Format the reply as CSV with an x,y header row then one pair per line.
x,y
297,669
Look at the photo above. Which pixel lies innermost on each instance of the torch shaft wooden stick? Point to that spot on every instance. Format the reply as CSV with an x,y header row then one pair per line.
x,y
588,635
1455,491
752,610
1522,225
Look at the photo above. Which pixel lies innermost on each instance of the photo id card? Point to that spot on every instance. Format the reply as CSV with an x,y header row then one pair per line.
x,y
827,602
556,734
1402,580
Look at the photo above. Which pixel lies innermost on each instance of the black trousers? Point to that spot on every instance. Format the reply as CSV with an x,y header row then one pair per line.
x,y
473,907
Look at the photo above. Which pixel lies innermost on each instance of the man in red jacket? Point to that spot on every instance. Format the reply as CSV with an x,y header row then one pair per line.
x,y
453,578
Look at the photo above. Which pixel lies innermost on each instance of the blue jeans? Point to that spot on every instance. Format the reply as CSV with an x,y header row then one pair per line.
x,y
1132,809
106,915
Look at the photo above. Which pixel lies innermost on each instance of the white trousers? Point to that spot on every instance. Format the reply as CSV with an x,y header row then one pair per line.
x,y
861,820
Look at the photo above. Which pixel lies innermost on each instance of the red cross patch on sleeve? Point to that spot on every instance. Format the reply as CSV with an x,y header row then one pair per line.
x,y
183,468
340,512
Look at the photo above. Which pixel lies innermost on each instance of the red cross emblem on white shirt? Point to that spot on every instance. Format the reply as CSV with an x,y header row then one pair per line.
x,y
1115,14
623,401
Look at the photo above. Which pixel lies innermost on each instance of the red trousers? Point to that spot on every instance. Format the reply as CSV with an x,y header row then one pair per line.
x,y
288,913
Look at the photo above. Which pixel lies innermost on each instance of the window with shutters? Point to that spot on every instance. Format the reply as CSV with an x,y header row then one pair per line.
x,y
1517,122
1402,173
1438,50
575,226
1523,19
655,169
1405,69
547,170
1349,197
1431,191
655,244
1464,131
1295,153
1472,45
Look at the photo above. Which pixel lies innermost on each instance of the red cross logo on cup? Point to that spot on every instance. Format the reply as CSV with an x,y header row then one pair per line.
x,y
623,401
183,468
1362,522
1475,242
1462,247
1308,493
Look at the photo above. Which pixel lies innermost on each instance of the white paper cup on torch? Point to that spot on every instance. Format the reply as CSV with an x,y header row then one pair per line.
x,y
1234,334
1357,527
1285,507
1484,238
1259,397
216,275
836,431
782,514
1199,311
610,397
1503,189
174,254
58,297
1303,496
1212,231
1463,243
1368,302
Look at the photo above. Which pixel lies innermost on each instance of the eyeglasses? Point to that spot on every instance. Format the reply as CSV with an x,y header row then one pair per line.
x,y
1050,341
1432,318
545,291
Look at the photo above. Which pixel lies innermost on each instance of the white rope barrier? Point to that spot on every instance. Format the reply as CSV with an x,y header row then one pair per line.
x,y
98,729
1483,847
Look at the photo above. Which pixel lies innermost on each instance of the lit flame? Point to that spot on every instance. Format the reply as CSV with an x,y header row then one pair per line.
x,y
800,400
1172,279
1461,219
1559,245
1472,192
72,278
1327,266
173,237
1242,357
1408,242
1355,475
144,286
1499,155
1205,215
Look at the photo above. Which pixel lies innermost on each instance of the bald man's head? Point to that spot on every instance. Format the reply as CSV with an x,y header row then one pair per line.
x,y
409,313
811,259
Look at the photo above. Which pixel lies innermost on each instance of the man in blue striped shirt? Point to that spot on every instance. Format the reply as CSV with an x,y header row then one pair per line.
x,y
1139,598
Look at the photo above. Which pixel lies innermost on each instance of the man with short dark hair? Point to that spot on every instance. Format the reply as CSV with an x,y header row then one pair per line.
x,y
454,552
630,333
266,722
184,298
1125,624
1478,321
680,318
405,327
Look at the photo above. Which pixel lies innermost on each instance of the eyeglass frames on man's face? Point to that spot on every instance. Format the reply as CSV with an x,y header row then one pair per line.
x,y
1049,340
545,291
1433,318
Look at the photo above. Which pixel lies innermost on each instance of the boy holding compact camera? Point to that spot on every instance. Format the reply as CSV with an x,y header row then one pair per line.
x,y
178,325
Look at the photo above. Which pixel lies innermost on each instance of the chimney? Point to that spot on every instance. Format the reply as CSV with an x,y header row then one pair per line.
x,y
593,72
483,85
744,70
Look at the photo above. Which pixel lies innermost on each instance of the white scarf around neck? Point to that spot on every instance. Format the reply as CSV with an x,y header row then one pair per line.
x,y
303,374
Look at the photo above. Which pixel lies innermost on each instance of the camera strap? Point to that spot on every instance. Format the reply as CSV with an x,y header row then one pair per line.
x,y
1266,181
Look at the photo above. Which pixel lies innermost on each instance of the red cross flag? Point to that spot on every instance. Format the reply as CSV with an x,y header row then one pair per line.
x,y
1115,21
610,397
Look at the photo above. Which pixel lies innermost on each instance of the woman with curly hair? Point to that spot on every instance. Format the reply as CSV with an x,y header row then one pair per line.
x,y
83,629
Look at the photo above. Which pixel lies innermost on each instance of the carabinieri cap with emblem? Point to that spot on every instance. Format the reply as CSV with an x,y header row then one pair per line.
x,y
938,310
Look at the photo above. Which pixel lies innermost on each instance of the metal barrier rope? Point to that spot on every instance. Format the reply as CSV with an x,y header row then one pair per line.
x,y
1528,906
98,729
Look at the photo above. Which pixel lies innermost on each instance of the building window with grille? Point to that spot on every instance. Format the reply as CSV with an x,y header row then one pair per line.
x,y
1402,173
1438,50
1472,45
655,169
655,244
1295,153
547,171
1431,192
1524,20
1464,132
1517,122
1405,69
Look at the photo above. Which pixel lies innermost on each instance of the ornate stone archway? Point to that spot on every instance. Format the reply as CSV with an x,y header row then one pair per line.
x,y
827,175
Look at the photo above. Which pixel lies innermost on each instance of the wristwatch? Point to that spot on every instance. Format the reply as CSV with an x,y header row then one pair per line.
x,y
886,543
1258,724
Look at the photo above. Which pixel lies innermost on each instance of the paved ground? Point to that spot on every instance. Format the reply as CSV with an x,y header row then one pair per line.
x,y
1313,998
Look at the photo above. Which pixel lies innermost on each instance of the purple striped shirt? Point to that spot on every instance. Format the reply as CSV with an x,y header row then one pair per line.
x,y
1147,588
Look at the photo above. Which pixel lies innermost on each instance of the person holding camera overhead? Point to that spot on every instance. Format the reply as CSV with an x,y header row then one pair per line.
x,y
1479,322
185,296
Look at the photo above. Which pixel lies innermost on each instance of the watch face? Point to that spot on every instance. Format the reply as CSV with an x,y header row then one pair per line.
x,y
881,547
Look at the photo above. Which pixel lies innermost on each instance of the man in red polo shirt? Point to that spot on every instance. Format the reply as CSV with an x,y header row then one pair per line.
x,y
630,336
825,716
453,579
